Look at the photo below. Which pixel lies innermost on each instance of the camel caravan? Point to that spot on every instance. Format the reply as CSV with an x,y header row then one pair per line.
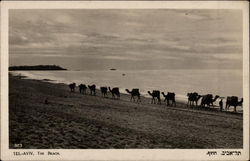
x,y
192,98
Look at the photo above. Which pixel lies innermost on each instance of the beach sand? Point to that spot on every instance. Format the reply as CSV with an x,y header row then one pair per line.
x,y
76,121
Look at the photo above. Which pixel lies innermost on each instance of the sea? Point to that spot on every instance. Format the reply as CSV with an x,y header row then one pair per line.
x,y
180,81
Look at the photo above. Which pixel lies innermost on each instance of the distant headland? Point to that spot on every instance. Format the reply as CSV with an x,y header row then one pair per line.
x,y
36,67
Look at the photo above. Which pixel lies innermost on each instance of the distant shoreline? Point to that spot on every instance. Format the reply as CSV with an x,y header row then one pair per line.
x,y
36,67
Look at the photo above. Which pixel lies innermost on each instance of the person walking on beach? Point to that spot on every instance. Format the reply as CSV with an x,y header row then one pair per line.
x,y
221,104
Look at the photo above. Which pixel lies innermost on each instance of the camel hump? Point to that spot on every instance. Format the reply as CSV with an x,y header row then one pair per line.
x,y
135,90
156,92
234,98
116,89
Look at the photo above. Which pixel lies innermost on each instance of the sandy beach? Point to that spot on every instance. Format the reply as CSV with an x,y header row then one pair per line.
x,y
76,121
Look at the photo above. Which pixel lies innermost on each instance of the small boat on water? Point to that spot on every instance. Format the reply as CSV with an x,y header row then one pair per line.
x,y
112,69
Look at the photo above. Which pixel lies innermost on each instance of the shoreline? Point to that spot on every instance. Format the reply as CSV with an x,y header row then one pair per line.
x,y
180,99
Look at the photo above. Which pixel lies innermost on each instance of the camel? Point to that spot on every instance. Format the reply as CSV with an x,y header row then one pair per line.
x,y
169,97
233,101
115,91
193,97
134,92
72,87
208,100
155,94
104,91
82,88
92,89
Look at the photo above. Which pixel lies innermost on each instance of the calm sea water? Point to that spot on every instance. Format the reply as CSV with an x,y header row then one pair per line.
x,y
217,82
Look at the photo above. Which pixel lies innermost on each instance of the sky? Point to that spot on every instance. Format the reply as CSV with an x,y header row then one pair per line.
x,y
129,39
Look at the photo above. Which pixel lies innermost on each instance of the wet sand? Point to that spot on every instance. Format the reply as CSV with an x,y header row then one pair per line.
x,y
76,121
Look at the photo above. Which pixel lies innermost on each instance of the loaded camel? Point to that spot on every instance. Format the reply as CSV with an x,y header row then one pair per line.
x,y
134,92
82,88
193,98
155,94
115,91
208,100
104,91
72,87
92,89
233,101
169,97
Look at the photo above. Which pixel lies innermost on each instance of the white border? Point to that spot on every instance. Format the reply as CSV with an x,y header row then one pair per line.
x,y
137,154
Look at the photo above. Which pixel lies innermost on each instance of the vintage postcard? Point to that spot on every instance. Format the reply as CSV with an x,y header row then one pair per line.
x,y
134,80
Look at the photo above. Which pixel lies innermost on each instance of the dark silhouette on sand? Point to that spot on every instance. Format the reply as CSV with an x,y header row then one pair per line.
x,y
208,100
193,98
169,97
72,87
82,88
115,92
233,101
92,89
104,91
221,104
134,92
155,94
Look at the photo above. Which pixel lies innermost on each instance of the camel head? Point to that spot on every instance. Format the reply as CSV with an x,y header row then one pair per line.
x,y
127,90
163,94
215,98
109,89
149,93
198,97
241,101
188,94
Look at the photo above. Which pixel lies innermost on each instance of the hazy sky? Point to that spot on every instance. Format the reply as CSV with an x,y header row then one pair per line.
x,y
127,39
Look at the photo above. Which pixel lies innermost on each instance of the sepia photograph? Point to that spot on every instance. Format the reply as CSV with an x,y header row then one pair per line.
x,y
126,79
